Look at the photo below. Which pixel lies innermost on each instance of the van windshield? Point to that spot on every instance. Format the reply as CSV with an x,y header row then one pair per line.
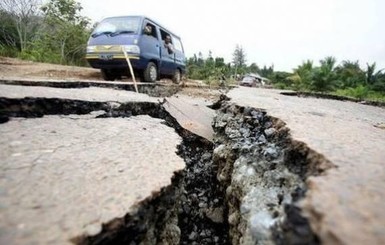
x,y
117,25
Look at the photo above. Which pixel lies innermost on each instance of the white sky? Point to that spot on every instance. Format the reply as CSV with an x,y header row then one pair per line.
x,y
279,32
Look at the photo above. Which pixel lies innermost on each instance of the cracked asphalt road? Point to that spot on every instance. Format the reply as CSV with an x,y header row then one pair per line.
x,y
56,167
345,206
62,176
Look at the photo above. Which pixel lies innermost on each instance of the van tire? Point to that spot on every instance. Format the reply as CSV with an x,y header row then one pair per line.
x,y
108,75
176,77
150,74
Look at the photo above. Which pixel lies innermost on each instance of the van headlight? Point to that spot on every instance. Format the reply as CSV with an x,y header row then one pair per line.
x,y
91,49
133,49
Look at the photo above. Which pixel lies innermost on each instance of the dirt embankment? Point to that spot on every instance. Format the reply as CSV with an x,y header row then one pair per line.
x,y
11,67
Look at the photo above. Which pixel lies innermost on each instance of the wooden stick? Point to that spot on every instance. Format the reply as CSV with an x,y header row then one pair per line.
x,y
130,68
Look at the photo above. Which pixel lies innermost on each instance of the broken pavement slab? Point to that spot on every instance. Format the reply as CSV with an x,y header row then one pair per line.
x,y
63,176
344,206
85,94
158,89
192,114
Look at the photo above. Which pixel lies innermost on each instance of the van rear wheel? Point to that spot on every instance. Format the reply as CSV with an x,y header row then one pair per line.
x,y
150,74
108,75
176,77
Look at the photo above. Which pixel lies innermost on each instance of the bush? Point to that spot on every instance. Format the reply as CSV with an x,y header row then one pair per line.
x,y
281,86
8,51
359,92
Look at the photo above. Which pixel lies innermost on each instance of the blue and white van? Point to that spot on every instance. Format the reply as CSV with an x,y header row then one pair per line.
x,y
144,42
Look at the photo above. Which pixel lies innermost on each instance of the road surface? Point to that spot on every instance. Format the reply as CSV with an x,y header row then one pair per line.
x,y
345,206
64,175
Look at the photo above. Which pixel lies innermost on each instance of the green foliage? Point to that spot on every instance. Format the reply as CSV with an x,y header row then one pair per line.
x,y
359,92
379,84
267,71
302,76
253,68
19,22
8,34
67,31
350,74
239,57
323,78
62,34
280,79
8,51
362,92
346,79
210,69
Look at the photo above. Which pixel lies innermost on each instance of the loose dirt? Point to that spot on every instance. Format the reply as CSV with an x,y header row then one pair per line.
x,y
11,67
22,69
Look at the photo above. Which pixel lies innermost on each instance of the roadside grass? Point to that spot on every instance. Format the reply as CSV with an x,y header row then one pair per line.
x,y
361,93
358,93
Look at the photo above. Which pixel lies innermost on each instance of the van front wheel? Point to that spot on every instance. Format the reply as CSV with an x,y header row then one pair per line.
x,y
150,74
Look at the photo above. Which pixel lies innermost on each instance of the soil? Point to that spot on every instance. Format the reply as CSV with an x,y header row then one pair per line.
x,y
23,69
11,67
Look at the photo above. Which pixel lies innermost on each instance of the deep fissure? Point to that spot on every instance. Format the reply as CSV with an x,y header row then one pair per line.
x,y
264,171
241,189
152,89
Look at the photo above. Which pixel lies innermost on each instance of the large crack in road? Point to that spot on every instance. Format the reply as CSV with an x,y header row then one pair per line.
x,y
242,189
152,89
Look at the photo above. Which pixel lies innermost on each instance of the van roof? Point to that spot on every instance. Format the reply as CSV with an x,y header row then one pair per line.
x,y
142,17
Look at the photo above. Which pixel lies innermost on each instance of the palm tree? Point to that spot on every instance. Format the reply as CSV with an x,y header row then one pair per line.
x,y
301,77
376,80
324,77
350,74
371,75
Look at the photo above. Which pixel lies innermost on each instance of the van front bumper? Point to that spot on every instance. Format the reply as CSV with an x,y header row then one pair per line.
x,y
114,61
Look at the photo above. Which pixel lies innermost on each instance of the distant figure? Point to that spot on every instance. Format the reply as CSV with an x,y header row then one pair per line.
x,y
148,30
168,45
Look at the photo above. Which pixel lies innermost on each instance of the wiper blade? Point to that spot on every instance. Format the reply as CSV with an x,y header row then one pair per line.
x,y
121,32
101,33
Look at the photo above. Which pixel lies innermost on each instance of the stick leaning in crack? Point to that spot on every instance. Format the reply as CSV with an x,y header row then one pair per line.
x,y
130,68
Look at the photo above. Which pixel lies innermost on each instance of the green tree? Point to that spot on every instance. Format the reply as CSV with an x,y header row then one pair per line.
x,y
379,85
302,76
324,78
239,59
210,63
280,79
371,74
22,18
253,68
350,74
375,79
66,30
267,71
200,60
220,62
8,35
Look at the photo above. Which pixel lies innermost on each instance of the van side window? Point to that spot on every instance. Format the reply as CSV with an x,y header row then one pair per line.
x,y
149,29
167,41
177,44
164,34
